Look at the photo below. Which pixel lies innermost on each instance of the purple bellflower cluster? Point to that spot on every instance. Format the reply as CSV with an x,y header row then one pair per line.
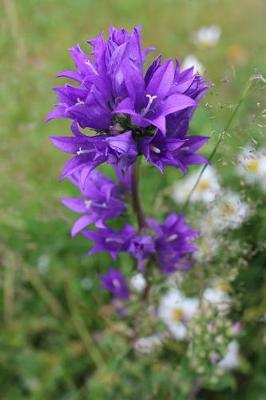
x,y
120,111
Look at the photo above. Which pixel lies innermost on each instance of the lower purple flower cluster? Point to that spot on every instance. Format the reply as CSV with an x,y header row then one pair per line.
x,y
168,244
133,113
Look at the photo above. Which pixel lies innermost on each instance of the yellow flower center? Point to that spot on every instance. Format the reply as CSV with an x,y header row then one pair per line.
x,y
203,185
228,210
253,166
222,286
177,314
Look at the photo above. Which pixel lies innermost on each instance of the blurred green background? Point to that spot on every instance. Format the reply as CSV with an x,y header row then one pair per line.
x,y
50,297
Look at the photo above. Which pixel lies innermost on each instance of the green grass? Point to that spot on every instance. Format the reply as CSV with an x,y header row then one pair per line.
x,y
47,349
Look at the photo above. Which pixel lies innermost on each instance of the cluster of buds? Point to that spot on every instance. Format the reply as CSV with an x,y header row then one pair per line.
x,y
213,348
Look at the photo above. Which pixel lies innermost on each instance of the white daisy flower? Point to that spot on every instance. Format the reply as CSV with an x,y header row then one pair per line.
x,y
217,296
231,359
206,190
176,310
192,61
229,212
138,283
207,36
252,166
146,345
207,248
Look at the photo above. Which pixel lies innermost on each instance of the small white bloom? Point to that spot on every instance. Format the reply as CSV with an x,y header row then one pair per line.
x,y
207,36
148,344
86,283
218,296
208,247
252,166
206,190
192,61
175,310
229,211
231,358
43,263
138,283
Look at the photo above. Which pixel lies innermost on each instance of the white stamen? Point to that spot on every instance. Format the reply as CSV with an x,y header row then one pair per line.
x,y
80,151
90,65
172,237
116,283
79,101
151,98
103,205
87,203
110,240
155,150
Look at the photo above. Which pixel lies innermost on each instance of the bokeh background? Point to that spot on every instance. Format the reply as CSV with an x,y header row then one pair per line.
x,y
51,300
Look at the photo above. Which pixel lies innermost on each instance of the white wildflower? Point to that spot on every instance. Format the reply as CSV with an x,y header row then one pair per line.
x,y
231,358
138,283
86,283
146,345
252,166
217,295
206,190
176,310
208,247
229,212
192,61
207,36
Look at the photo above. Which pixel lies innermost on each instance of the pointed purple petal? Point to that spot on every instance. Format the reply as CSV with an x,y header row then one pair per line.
x,y
176,102
162,80
70,74
67,144
75,204
73,165
59,112
81,224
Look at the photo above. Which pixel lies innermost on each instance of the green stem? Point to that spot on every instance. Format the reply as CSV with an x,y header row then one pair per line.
x,y
135,197
214,150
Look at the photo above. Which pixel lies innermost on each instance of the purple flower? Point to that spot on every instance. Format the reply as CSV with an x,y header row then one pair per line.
x,y
169,243
132,112
113,242
92,151
161,151
114,282
193,86
101,200
141,248
173,243
153,97
100,78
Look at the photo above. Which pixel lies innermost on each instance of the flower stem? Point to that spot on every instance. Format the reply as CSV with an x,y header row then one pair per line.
x,y
139,214
195,389
135,197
